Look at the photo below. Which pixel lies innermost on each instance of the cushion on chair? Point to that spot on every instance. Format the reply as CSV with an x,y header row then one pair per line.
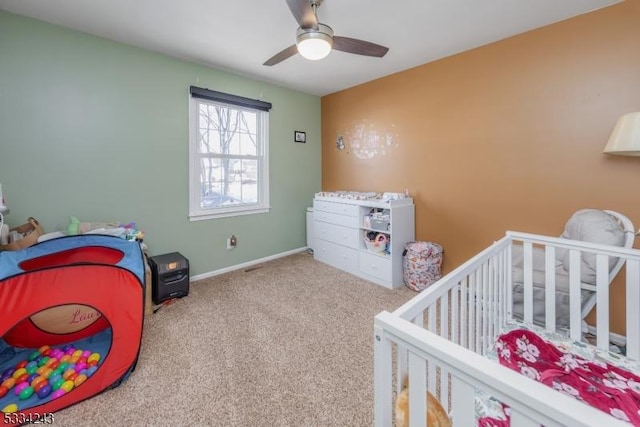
x,y
587,225
594,226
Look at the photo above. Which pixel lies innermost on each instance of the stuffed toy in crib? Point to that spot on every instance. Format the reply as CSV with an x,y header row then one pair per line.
x,y
436,414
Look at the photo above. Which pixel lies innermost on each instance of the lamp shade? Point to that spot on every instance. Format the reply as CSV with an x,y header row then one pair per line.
x,y
625,138
313,43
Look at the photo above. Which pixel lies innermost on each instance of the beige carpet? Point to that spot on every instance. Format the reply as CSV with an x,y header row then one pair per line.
x,y
289,343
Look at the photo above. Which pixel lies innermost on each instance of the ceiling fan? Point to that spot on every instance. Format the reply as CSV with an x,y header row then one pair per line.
x,y
315,40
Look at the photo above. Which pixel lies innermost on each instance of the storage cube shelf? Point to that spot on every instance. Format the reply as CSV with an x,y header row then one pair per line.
x,y
343,226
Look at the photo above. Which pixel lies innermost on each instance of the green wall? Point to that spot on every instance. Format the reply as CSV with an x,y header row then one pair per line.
x,y
98,129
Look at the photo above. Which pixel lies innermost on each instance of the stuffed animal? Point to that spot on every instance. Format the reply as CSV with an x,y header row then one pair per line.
x,y
77,227
436,415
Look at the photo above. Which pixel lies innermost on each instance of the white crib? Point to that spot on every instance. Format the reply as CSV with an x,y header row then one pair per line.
x,y
439,338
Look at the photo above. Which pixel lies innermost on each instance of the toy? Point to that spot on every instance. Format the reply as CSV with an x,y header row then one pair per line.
x,y
377,242
126,231
47,384
77,227
53,343
10,408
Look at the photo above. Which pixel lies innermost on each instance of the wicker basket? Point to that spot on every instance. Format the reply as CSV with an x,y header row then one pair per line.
x,y
30,233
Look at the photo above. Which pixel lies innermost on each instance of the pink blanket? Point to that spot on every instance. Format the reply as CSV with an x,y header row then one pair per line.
x,y
598,384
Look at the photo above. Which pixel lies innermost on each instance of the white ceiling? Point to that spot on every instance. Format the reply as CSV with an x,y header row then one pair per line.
x,y
239,35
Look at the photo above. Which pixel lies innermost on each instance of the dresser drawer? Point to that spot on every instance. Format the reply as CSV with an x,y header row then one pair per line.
x,y
336,255
334,218
375,265
337,208
337,233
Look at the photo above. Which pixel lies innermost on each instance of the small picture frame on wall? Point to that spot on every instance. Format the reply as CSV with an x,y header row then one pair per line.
x,y
299,136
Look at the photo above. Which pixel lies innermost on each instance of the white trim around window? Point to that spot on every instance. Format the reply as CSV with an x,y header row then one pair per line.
x,y
228,164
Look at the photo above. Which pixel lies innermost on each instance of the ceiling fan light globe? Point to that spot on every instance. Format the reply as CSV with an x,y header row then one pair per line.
x,y
314,44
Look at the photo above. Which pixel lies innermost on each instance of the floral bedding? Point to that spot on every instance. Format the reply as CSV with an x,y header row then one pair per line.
x,y
603,379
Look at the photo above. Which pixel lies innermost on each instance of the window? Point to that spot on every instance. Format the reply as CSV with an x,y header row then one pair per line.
x,y
228,155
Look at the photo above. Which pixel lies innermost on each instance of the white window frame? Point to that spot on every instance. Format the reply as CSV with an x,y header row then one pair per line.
x,y
196,212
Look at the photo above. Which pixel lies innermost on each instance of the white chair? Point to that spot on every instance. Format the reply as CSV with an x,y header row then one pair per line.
x,y
588,225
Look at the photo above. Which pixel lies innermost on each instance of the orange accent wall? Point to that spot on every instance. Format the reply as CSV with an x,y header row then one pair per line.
x,y
508,136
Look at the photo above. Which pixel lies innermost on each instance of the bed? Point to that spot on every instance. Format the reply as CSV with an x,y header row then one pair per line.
x,y
444,339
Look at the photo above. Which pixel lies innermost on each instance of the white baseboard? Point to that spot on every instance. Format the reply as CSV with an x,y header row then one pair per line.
x,y
614,338
244,265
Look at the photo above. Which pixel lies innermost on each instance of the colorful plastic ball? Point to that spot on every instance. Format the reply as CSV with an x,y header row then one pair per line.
x,y
70,351
43,361
12,407
37,380
86,354
32,377
68,373
22,378
19,372
21,364
54,377
75,359
67,386
39,385
26,393
66,347
77,353
58,393
46,373
65,358
80,366
34,355
44,349
3,391
91,370
56,385
79,379
44,391
55,364
6,374
9,383
19,387
94,356
93,363
62,367
56,353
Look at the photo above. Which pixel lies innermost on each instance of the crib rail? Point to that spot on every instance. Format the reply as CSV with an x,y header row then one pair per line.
x,y
459,316
530,402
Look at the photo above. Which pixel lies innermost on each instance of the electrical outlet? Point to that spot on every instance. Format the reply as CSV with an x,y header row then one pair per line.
x,y
232,242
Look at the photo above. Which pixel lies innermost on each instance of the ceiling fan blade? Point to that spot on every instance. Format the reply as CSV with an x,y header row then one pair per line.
x,y
281,56
359,47
303,12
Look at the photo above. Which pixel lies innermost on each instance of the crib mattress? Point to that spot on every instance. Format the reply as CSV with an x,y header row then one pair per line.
x,y
489,411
